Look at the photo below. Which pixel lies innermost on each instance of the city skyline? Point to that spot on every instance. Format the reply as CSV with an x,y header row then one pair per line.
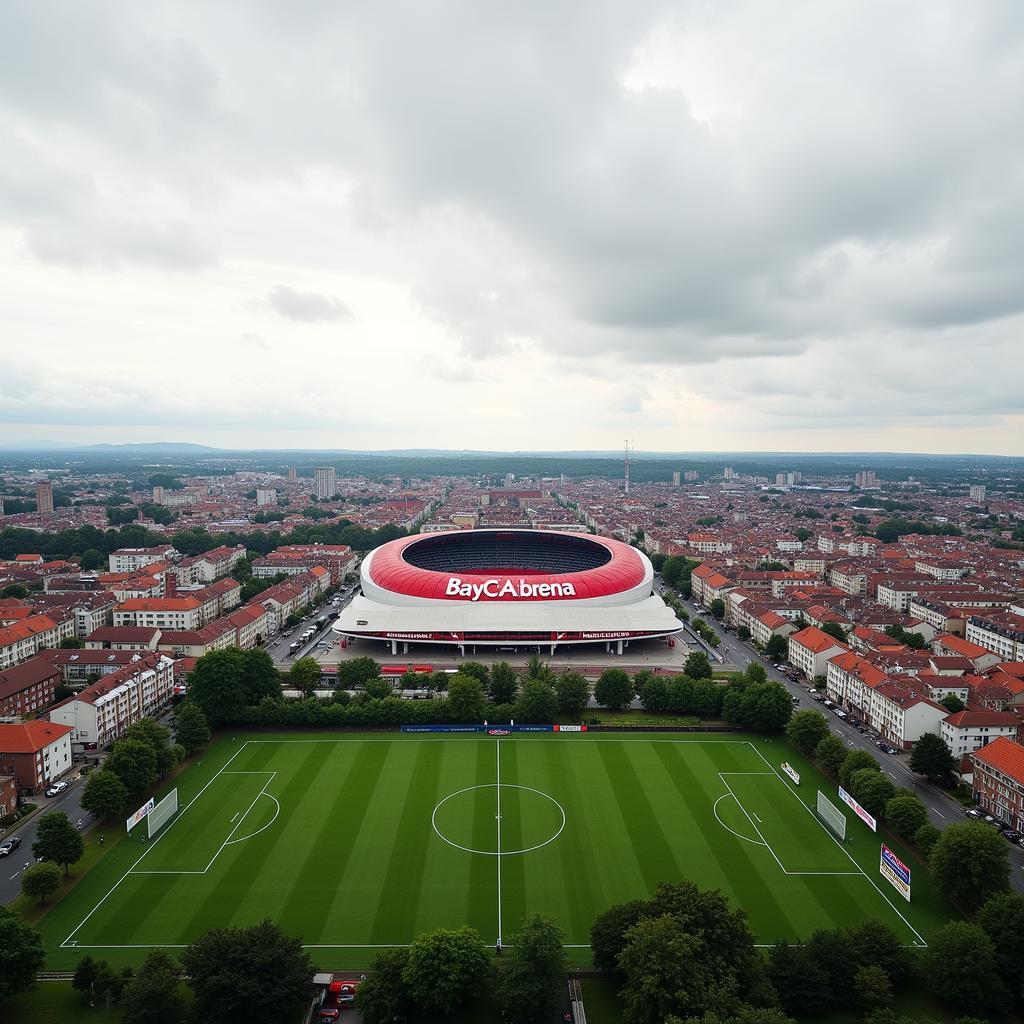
x,y
513,230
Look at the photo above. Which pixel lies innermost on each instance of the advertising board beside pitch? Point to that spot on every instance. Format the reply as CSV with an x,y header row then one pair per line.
x,y
791,772
140,813
864,816
895,872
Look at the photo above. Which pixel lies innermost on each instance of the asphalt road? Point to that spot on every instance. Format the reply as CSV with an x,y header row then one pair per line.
x,y
12,866
942,810
279,649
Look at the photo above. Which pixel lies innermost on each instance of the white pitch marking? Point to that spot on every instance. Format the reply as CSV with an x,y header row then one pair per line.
x,y
237,813
497,748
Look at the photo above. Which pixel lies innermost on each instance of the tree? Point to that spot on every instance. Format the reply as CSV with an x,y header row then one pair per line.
x,y
755,673
381,997
105,795
698,666
905,813
960,966
806,730
58,840
875,944
659,963
1002,920
21,954
952,703
503,684
476,670
152,995
777,647
655,694
832,950
71,643
830,753
158,738
215,684
763,707
718,608
251,975
926,837
932,758
854,761
872,987
134,763
191,729
537,701
608,934
613,689
531,974
85,976
802,983
573,694
834,630
40,880
15,590
970,864
357,672
536,669
872,790
91,559
465,699
305,675
445,968
260,677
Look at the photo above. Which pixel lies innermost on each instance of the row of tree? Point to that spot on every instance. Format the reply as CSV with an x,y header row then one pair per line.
x,y
969,861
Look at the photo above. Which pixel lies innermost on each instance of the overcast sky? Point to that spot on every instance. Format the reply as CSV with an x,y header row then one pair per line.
x,y
539,224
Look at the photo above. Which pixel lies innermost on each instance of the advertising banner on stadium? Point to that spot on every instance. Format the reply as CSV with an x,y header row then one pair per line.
x,y
491,730
895,872
791,772
141,813
858,810
570,728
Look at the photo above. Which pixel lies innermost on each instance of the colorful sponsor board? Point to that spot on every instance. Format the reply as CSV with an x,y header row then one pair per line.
x,y
864,816
570,728
493,730
791,772
140,813
895,872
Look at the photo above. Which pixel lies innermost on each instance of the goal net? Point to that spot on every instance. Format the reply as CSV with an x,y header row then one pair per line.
x,y
831,815
162,813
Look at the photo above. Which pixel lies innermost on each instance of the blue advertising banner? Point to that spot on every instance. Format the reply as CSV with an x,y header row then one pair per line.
x,y
491,730
895,872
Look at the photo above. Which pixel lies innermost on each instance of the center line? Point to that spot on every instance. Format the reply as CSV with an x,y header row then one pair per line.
x,y
497,747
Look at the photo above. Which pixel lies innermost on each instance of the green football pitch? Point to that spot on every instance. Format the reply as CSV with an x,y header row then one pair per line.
x,y
360,842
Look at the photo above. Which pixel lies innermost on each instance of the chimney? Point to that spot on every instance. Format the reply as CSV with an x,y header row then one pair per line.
x,y
170,584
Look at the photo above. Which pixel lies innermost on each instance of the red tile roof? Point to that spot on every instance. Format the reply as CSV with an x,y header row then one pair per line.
x,y
1005,756
30,737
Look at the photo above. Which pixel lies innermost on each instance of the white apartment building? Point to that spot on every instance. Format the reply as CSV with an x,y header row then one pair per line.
x,y
1003,636
134,559
968,731
326,485
103,711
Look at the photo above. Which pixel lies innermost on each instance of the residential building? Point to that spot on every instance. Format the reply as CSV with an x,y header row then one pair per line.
x,y
1001,633
28,687
326,485
36,753
21,640
810,650
8,785
123,638
161,613
977,492
998,780
266,496
134,559
968,731
103,711
44,497
902,715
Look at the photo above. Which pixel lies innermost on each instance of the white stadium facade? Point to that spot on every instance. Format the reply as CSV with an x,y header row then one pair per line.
x,y
506,588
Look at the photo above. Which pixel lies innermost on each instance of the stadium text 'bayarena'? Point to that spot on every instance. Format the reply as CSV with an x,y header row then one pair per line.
x,y
506,588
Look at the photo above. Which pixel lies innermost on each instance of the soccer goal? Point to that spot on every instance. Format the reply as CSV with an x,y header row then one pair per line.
x,y
831,815
162,813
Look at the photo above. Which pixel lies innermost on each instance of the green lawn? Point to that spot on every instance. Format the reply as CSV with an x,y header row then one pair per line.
x,y
357,841
53,1001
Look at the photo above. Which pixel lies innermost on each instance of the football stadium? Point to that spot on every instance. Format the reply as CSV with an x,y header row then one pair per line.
x,y
360,841
513,589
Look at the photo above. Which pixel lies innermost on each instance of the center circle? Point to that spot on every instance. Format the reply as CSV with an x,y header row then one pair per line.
x,y
529,817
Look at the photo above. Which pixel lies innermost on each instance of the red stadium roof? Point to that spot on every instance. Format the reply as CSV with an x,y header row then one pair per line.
x,y
621,568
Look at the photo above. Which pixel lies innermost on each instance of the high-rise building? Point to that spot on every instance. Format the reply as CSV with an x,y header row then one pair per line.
x,y
44,497
326,483
978,492
675,478
509,478
690,475
292,474
267,495
866,479
729,473
158,494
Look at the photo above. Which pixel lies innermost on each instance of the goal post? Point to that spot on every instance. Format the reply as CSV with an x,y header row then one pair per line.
x,y
162,813
831,815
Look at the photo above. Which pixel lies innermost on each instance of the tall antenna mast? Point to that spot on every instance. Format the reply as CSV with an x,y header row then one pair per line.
x,y
627,448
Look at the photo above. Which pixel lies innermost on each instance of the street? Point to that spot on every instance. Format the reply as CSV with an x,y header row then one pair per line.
x,y
12,866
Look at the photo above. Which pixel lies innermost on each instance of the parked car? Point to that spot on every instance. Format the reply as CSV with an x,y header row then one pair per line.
x,y
973,812
8,847
56,789
1012,835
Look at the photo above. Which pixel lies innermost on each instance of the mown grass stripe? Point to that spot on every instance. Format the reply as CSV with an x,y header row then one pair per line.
x,y
404,877
650,847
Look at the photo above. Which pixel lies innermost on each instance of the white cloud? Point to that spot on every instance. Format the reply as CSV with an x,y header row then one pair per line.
x,y
700,223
